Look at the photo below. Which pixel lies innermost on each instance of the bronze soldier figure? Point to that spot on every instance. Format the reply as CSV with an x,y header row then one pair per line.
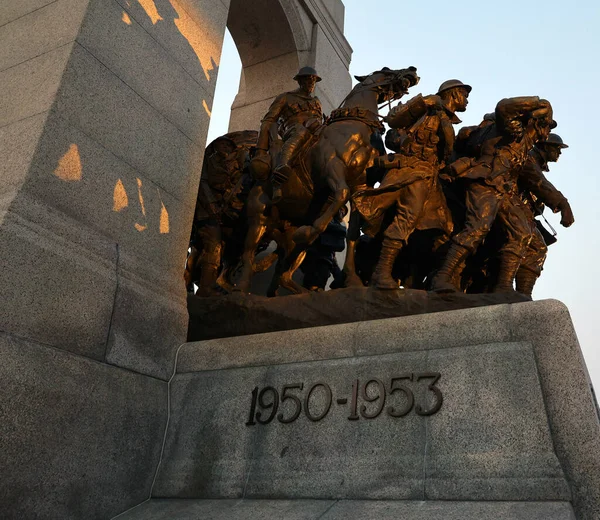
x,y
223,188
492,190
298,115
537,191
325,175
423,144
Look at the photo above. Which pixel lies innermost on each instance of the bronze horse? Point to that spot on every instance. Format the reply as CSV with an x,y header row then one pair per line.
x,y
329,172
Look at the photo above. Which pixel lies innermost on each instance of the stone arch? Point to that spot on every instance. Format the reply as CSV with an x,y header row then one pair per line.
x,y
276,37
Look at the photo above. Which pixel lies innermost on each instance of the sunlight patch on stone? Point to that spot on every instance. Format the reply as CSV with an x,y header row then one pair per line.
x,y
196,37
164,219
205,105
141,197
150,7
69,165
120,199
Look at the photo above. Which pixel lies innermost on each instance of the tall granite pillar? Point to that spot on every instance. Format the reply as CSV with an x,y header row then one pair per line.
x,y
104,115
104,111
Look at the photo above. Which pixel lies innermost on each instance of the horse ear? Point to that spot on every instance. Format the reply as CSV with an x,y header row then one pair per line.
x,y
360,78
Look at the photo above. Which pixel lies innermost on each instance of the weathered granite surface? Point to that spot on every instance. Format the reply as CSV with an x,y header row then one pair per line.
x,y
79,439
517,399
241,314
249,509
489,441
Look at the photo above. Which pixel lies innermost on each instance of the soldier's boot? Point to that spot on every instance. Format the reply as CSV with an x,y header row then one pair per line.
x,y
280,176
442,282
509,265
382,277
526,279
288,152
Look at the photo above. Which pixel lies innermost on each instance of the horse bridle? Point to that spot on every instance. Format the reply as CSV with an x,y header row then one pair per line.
x,y
381,86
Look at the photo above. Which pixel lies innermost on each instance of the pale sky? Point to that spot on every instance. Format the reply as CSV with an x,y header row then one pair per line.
x,y
502,49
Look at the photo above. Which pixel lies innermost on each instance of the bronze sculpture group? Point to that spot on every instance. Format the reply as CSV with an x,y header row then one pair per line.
x,y
443,211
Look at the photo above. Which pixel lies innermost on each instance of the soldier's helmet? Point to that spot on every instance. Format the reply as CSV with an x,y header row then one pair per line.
x,y
453,83
307,71
556,140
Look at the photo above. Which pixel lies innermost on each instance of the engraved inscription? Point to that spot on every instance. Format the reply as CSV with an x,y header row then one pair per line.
x,y
367,400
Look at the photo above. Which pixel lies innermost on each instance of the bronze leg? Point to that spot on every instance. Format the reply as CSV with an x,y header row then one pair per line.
x,y
288,152
296,258
532,265
336,179
409,207
351,278
209,260
257,226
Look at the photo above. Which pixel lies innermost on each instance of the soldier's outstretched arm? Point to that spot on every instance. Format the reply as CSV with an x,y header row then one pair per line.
x,y
271,117
536,182
555,200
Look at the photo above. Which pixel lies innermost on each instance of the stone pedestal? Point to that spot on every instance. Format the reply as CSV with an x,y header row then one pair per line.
x,y
491,406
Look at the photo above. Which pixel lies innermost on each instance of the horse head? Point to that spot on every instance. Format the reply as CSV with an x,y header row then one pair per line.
x,y
389,84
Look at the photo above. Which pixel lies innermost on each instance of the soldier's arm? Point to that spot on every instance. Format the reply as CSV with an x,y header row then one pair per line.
x,y
516,107
270,118
534,180
314,124
446,132
555,200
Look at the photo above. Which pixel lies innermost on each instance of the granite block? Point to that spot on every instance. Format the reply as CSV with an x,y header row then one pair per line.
x,y
98,103
475,326
209,316
40,31
438,510
328,59
149,324
78,176
336,457
79,439
492,441
30,88
572,411
270,78
10,11
58,279
335,341
229,509
252,509
336,10
191,31
147,68
260,38
489,441
357,331
208,445
19,143
247,117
